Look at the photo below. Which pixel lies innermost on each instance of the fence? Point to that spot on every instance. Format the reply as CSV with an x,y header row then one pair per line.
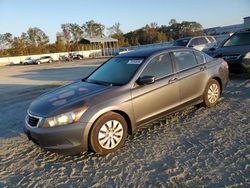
x,y
85,54
55,56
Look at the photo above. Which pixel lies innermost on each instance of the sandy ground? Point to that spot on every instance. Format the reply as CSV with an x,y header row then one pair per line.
x,y
193,148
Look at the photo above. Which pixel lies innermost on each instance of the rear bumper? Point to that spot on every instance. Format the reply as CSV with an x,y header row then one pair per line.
x,y
65,139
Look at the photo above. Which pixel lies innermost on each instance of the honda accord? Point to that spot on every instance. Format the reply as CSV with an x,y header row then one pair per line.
x,y
124,93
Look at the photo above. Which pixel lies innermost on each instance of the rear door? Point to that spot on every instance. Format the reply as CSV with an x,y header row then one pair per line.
x,y
151,100
192,74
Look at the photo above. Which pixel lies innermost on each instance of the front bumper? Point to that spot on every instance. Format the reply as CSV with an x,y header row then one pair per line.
x,y
240,65
64,139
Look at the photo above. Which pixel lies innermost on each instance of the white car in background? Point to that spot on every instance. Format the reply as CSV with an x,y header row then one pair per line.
x,y
44,59
198,42
124,50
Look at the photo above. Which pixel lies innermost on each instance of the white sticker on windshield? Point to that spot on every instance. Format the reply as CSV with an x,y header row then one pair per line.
x,y
135,61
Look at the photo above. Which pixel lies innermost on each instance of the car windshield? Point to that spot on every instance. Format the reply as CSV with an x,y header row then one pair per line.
x,y
181,42
238,40
116,71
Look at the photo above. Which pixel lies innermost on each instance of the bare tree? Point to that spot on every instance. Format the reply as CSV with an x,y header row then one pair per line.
x,y
5,40
115,30
66,33
76,32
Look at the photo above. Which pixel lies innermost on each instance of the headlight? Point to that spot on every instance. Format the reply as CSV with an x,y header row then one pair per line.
x,y
247,56
65,119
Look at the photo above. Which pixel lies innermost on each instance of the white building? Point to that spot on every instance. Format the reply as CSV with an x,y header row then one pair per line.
x,y
228,29
247,22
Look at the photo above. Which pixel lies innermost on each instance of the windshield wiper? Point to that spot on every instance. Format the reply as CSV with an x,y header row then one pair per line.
x,y
98,82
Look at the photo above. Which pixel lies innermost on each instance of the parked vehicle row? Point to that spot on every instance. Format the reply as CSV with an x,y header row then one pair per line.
x,y
49,59
128,91
43,59
235,49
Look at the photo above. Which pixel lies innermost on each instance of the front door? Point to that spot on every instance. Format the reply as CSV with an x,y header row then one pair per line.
x,y
153,99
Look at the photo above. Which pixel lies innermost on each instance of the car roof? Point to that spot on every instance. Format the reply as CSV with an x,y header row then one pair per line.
x,y
147,52
184,38
190,37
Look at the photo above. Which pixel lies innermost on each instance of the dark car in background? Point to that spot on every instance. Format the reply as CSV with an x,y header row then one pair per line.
x,y
75,56
236,51
64,58
123,94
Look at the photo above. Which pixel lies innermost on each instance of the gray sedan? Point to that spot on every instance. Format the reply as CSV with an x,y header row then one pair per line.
x,y
128,91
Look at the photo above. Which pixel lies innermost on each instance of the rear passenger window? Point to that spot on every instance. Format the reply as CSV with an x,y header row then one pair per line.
x,y
199,57
185,59
160,66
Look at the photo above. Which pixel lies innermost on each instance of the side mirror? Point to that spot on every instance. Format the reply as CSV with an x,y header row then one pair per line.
x,y
145,80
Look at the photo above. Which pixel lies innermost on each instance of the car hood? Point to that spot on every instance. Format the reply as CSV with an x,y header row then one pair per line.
x,y
232,50
65,99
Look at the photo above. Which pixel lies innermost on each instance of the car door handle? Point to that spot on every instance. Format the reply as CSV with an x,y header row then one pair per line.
x,y
172,80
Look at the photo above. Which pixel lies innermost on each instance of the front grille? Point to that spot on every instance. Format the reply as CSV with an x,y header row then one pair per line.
x,y
231,57
33,121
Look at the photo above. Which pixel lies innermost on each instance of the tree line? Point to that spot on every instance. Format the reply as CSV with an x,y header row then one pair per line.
x,y
35,41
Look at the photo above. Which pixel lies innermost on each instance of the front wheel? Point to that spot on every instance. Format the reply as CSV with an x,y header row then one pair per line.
x,y
108,133
212,93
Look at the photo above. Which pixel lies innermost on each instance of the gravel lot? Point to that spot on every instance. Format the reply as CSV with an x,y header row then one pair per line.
x,y
193,148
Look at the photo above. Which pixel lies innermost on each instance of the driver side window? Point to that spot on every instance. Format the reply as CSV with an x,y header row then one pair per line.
x,y
159,67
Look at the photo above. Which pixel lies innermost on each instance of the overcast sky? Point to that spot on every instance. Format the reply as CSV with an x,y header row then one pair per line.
x,y
16,16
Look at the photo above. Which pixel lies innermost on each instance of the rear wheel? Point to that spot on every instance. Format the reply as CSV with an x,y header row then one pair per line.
x,y
212,93
108,133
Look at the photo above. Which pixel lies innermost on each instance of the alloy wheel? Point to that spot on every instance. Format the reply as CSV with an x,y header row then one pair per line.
x,y
110,134
213,93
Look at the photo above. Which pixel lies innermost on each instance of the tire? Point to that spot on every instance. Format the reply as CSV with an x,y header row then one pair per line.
x,y
50,61
212,93
38,62
104,141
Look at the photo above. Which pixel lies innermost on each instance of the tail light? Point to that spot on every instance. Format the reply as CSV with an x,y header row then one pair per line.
x,y
224,63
